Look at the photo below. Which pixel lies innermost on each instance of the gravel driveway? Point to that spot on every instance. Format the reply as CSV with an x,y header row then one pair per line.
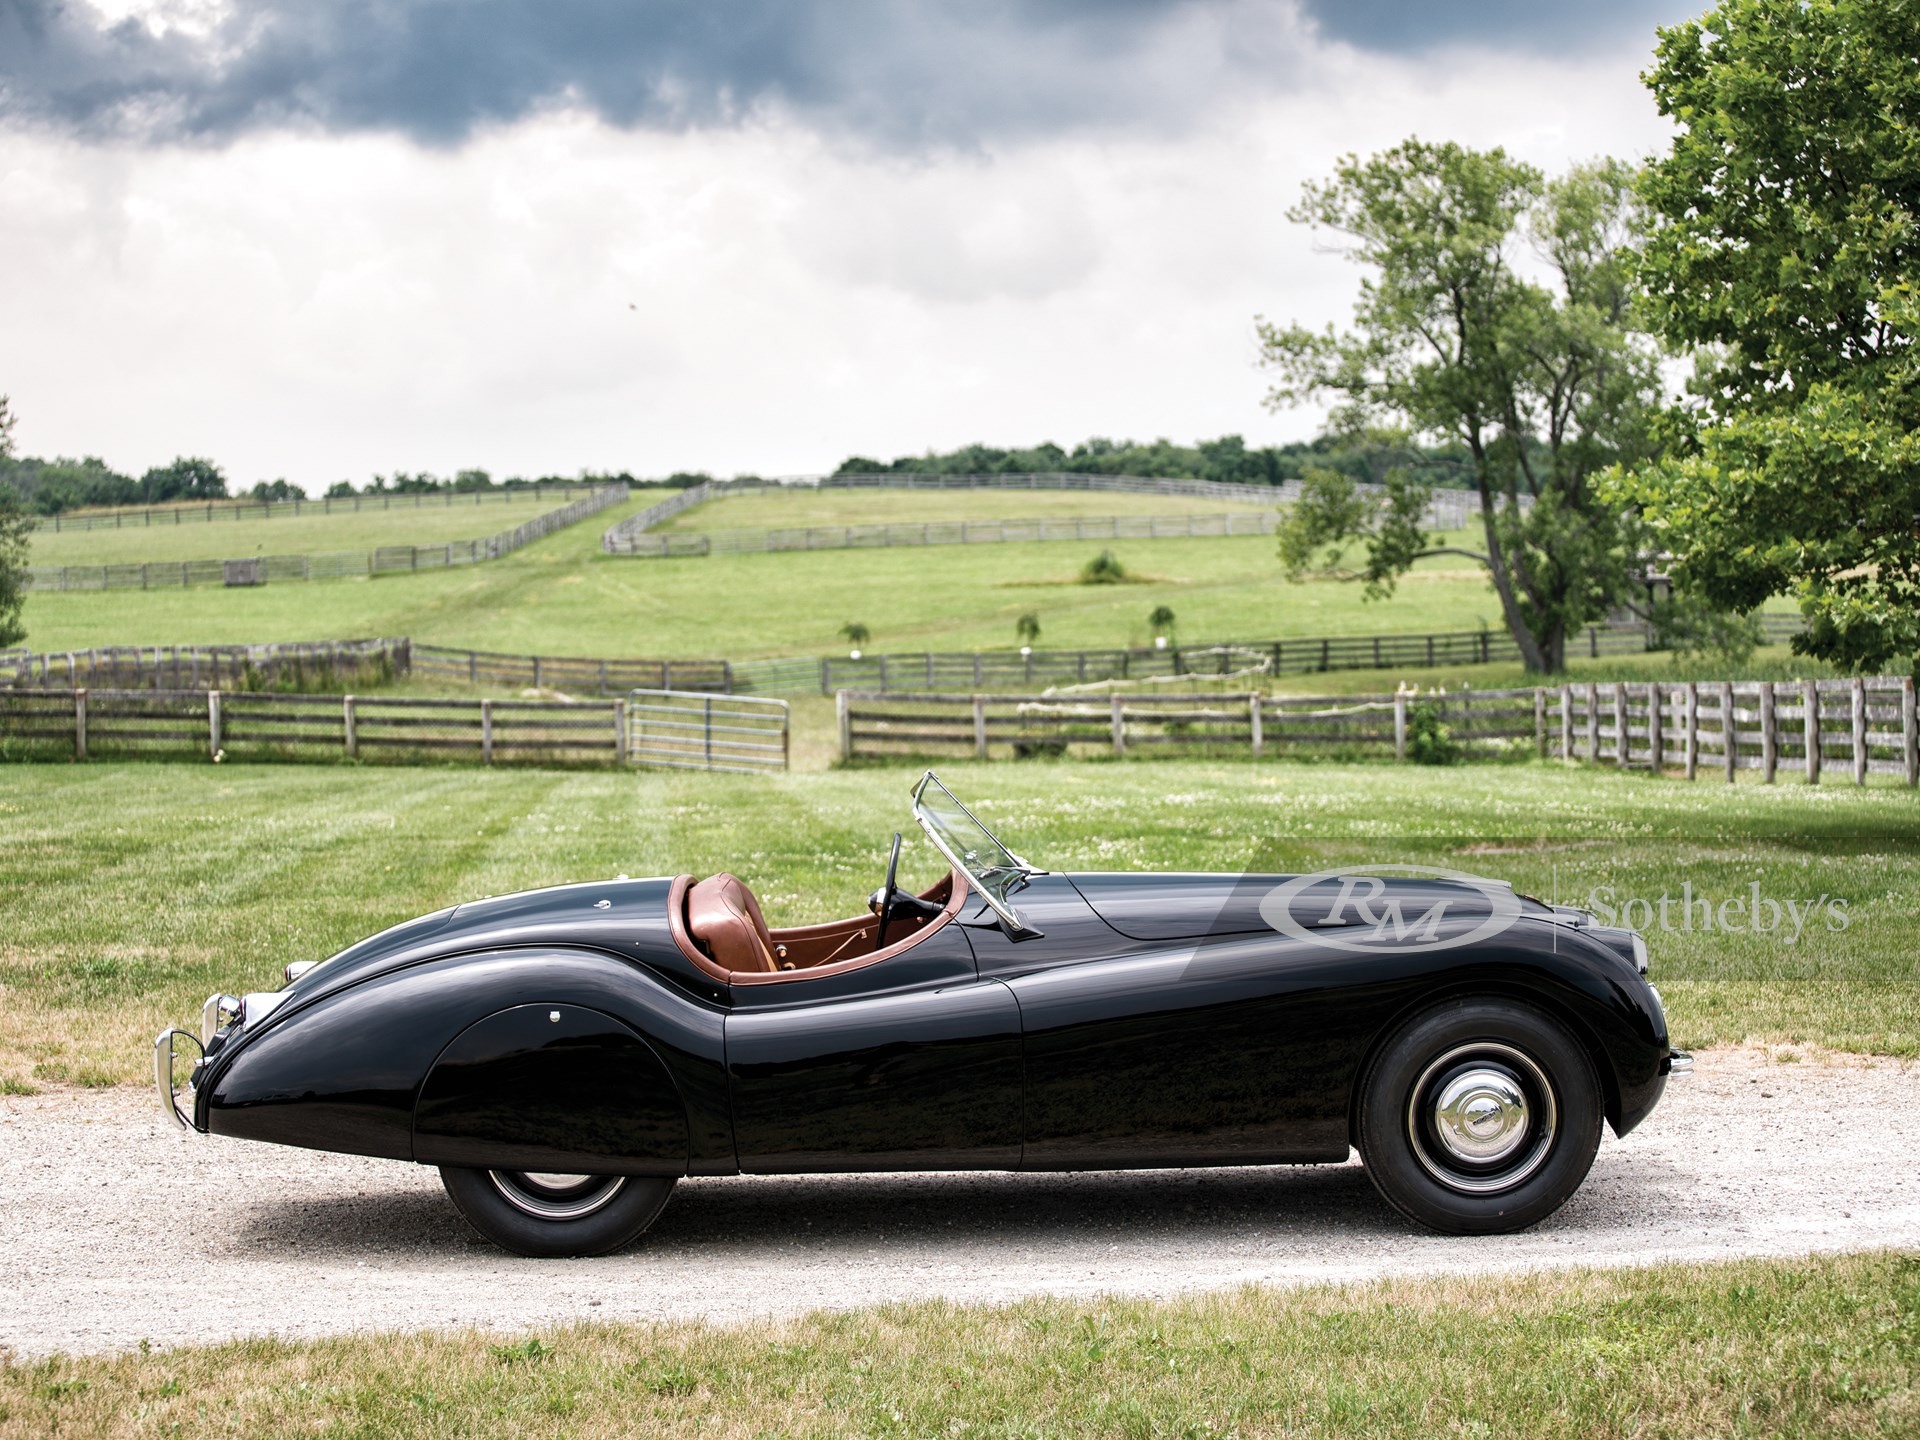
x,y
117,1227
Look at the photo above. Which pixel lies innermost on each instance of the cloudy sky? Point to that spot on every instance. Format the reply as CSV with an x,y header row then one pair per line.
x,y
320,238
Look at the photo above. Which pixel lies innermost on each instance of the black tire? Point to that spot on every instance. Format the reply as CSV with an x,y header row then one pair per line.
x,y
535,1216
1479,1117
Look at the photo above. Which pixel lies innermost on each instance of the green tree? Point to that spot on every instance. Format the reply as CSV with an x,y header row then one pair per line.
x,y
855,634
15,538
1542,384
1027,627
1161,621
1785,251
184,479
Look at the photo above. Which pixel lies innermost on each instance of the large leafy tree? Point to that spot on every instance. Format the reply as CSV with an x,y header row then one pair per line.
x,y
14,539
1786,251
1496,315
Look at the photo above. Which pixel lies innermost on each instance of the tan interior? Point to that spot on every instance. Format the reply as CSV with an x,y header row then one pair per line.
x,y
718,925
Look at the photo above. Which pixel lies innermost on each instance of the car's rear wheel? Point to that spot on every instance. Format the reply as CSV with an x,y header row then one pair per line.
x,y
1479,1117
540,1214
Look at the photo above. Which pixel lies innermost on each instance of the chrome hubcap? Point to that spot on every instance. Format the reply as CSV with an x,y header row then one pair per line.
x,y
1482,1118
548,1196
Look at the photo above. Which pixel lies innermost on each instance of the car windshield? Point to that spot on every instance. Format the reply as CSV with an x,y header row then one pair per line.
x,y
970,847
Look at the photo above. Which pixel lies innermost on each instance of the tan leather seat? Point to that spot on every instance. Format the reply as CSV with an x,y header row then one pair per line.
x,y
725,918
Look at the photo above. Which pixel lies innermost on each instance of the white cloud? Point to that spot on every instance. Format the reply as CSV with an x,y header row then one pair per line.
x,y
562,294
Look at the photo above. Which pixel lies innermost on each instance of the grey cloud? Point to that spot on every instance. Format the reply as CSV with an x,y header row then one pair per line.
x,y
893,71
1526,25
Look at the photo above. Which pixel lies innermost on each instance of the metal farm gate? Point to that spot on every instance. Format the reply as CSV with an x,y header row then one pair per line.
x,y
694,730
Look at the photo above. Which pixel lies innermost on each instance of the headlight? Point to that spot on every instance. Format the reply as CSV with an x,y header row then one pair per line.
x,y
219,1015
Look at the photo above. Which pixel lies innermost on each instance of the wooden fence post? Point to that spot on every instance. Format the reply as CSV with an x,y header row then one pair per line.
x,y
213,724
979,727
1621,745
1859,698
1540,721
1810,726
1729,737
1909,731
843,719
349,726
1769,733
1119,726
80,724
1566,722
1593,722
1253,718
1693,730
1399,724
486,732
1656,736
619,732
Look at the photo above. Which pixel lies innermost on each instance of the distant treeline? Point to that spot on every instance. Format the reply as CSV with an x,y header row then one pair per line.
x,y
1227,459
50,487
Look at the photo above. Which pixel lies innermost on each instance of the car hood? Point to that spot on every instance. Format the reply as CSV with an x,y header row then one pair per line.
x,y
1191,906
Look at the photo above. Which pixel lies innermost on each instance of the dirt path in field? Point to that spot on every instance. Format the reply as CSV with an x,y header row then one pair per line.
x,y
116,1227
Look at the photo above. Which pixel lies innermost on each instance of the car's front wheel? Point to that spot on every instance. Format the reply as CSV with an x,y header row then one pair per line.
x,y
1480,1117
539,1214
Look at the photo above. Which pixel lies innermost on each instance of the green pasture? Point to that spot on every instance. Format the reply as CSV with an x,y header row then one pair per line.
x,y
564,596
760,510
1827,1346
129,892
310,534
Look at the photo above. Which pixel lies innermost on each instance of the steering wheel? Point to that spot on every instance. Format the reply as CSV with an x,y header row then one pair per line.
x,y
882,902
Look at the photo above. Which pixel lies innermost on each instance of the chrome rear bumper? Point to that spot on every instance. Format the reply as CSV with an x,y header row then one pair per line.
x,y
163,1065
1680,1062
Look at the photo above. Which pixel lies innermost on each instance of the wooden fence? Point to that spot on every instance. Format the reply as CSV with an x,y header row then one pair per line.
x,y
875,726
569,672
949,532
1860,726
201,512
1446,510
222,725
197,667
995,669
335,565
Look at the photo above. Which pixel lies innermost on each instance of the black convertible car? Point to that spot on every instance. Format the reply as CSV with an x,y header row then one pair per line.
x,y
565,1055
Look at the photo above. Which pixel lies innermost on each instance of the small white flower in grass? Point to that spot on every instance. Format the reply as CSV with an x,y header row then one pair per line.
x,y
218,756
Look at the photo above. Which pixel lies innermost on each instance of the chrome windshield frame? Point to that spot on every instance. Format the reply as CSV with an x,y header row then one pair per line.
x,y
978,881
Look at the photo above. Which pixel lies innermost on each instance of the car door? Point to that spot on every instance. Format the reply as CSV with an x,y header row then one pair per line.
x,y
910,1064
1224,1049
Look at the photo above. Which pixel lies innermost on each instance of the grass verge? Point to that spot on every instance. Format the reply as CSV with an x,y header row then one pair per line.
x,y
1826,1347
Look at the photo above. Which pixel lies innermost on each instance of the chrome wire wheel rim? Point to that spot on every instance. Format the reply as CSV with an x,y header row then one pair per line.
x,y
548,1196
1482,1118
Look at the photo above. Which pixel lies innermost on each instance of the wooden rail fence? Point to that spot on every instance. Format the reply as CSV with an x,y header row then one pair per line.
x,y
335,565
874,725
44,724
568,672
1446,510
1860,726
196,667
201,512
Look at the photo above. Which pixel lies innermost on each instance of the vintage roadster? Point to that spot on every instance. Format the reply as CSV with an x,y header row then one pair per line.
x,y
564,1055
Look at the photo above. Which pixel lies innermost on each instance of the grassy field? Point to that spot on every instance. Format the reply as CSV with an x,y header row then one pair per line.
x,y
910,507
309,534
129,892
564,596
1827,1347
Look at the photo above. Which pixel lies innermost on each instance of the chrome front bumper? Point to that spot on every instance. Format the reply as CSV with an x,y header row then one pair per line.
x,y
1680,1062
163,1066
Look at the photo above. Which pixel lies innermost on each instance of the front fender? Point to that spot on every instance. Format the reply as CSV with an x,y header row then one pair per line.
x,y
346,1070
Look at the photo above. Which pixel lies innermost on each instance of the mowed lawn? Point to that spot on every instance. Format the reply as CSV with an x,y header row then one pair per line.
x,y
764,511
564,596
1821,1347
129,892
310,534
